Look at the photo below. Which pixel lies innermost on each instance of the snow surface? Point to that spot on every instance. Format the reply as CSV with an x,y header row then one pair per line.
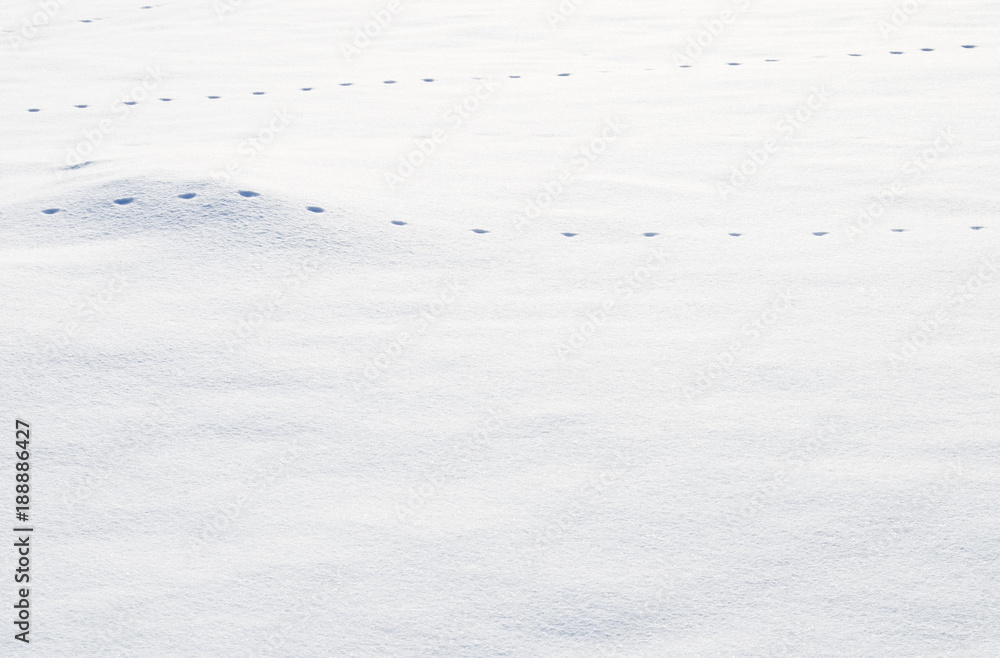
x,y
358,415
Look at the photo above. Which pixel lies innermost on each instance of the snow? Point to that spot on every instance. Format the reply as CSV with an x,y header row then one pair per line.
x,y
381,409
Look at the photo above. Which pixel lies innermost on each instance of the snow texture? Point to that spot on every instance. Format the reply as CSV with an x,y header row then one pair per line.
x,y
509,328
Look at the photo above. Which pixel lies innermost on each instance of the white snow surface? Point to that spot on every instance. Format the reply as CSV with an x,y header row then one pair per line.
x,y
716,420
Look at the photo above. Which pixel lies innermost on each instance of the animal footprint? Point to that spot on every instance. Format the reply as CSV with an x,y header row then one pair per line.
x,y
51,211
215,97
650,235
570,235
854,54
428,79
166,100
248,193
258,93
736,235
734,63
187,195
564,75
346,84
307,89
898,230
821,233
479,230
968,46
770,60
977,228
80,106
34,109
130,102
398,223
895,52
514,76
314,209
927,50
125,201
390,82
